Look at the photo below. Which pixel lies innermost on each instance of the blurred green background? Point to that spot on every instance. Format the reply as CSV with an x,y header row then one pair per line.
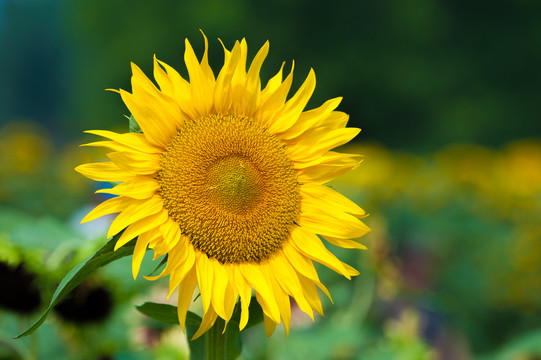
x,y
447,94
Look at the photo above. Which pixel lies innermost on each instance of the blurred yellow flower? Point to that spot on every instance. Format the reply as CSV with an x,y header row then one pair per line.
x,y
466,164
521,168
24,147
227,180
399,171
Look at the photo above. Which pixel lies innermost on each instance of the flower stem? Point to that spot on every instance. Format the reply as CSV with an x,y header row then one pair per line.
x,y
215,347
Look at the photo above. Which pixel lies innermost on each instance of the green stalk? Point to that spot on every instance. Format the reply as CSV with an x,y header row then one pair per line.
x,y
215,343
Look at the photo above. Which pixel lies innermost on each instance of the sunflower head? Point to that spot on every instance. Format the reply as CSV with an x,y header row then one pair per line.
x,y
227,179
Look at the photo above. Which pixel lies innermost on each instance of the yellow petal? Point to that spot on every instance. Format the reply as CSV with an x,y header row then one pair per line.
x,y
274,103
135,141
318,218
238,80
110,206
282,299
163,80
201,84
294,106
137,210
330,158
171,234
140,250
175,260
229,300
245,292
315,143
330,198
139,163
222,89
205,275
141,226
113,145
157,129
141,187
205,67
310,245
185,263
335,120
162,105
270,325
272,85
301,263
255,278
185,293
220,284
105,171
347,244
287,277
208,321
310,293
304,266
181,91
253,82
311,119
327,168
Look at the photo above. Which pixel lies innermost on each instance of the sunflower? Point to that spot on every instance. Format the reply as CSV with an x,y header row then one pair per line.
x,y
227,180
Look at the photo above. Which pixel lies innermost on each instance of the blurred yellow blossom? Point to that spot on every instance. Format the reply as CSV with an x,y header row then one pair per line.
x,y
24,146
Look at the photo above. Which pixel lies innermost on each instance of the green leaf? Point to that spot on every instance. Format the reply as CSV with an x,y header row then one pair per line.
x,y
134,126
167,314
102,257
226,346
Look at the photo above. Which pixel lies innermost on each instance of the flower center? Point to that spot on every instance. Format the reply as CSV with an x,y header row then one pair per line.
x,y
231,187
234,184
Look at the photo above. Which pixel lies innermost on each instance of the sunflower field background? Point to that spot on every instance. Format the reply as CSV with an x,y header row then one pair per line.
x,y
447,94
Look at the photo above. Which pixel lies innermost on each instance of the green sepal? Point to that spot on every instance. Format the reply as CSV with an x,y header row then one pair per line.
x,y
134,126
160,265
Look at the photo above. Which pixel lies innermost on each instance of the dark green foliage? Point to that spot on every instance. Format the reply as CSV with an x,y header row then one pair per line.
x,y
230,343
102,257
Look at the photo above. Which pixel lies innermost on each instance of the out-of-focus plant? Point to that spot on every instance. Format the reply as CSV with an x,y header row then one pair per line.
x,y
35,177
463,237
